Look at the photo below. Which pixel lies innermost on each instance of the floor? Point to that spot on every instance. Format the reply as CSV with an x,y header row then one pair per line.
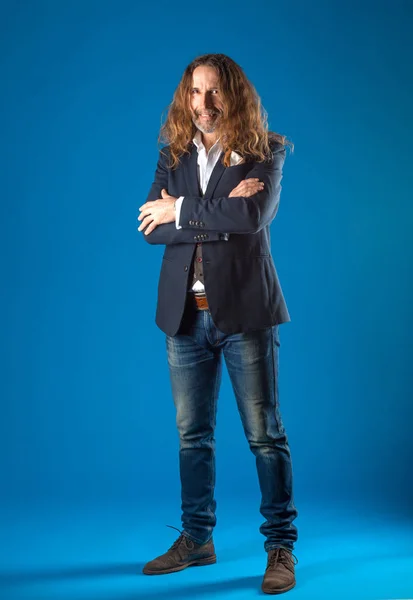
x,y
97,554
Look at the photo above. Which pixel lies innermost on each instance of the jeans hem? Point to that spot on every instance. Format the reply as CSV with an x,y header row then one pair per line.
x,y
269,547
194,539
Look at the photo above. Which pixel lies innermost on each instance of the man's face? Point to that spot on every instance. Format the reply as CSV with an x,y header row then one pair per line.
x,y
205,101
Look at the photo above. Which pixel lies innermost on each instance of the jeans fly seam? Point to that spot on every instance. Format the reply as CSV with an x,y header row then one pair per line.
x,y
208,330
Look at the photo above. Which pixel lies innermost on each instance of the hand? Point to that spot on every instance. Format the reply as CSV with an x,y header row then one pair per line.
x,y
157,212
247,187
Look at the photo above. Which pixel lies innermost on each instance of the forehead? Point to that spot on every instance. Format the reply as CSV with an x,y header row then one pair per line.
x,y
204,76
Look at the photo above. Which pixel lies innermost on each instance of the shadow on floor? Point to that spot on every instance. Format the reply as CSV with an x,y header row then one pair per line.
x,y
306,574
60,574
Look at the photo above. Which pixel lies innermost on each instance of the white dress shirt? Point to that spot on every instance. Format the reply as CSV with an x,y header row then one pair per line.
x,y
206,162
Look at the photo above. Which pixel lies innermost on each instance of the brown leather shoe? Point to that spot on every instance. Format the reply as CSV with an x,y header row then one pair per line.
x,y
183,553
279,575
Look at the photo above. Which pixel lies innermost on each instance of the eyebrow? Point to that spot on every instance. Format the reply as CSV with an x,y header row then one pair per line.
x,y
214,87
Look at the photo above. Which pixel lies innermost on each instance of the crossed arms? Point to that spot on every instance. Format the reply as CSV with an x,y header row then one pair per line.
x,y
247,209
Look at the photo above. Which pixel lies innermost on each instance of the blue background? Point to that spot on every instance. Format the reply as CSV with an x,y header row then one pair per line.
x,y
87,415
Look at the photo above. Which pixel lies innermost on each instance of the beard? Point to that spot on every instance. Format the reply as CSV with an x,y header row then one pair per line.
x,y
206,125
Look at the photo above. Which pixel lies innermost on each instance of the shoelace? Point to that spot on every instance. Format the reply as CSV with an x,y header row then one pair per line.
x,y
282,556
181,538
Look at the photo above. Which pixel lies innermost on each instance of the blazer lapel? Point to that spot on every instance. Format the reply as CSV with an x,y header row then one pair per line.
x,y
216,175
191,174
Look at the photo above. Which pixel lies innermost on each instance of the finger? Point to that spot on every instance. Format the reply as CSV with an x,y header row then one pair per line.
x,y
141,227
146,212
254,186
247,185
164,192
151,227
248,191
146,205
250,188
145,223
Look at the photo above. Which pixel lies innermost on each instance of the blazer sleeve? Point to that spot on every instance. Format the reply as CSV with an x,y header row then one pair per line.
x,y
167,233
239,214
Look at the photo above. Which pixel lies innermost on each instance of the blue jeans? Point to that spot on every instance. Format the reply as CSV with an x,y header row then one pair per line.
x,y
195,363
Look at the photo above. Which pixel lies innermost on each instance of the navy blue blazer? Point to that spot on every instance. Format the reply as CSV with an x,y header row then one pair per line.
x,y
241,281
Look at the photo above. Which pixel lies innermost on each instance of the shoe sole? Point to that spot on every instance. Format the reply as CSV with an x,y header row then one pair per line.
x,y
281,591
209,560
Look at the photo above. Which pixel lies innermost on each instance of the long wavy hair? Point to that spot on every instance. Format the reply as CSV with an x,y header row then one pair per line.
x,y
243,126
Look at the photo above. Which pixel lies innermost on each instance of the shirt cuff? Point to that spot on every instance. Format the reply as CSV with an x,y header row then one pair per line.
x,y
178,206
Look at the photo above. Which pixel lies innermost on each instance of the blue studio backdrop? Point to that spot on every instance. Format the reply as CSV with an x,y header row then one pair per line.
x,y
87,413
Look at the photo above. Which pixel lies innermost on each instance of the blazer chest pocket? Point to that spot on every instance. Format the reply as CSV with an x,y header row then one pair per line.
x,y
232,176
237,171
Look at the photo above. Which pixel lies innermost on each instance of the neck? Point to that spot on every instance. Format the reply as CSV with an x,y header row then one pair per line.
x,y
208,139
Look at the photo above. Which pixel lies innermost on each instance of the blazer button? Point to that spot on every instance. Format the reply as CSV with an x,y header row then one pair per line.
x,y
206,236
191,222
185,268
197,223
195,237
201,224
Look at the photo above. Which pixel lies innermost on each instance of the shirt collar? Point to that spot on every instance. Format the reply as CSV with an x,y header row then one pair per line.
x,y
197,140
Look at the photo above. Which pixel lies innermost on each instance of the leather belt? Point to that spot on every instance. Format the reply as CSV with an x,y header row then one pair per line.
x,y
201,302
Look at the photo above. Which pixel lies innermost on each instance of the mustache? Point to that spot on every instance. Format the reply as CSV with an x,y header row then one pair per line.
x,y
210,113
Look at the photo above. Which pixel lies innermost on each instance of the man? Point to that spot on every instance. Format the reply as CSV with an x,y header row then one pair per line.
x,y
215,193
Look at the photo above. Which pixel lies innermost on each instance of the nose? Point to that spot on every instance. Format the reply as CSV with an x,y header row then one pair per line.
x,y
206,101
